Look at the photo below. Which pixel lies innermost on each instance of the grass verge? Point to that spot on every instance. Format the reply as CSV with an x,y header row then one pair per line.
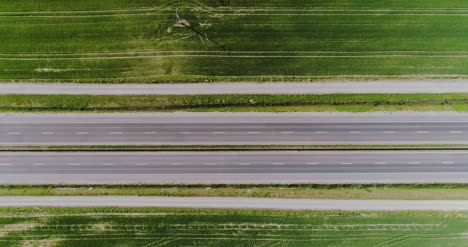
x,y
196,227
212,148
304,191
235,103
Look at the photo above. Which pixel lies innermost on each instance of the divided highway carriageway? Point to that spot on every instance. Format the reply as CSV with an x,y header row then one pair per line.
x,y
233,129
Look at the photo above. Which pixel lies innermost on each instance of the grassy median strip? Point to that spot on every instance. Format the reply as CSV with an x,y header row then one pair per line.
x,y
198,227
214,148
235,103
304,191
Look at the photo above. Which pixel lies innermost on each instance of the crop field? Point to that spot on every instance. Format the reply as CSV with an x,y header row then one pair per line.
x,y
173,227
115,41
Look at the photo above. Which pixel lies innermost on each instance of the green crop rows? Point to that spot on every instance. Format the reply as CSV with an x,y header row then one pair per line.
x,y
135,41
165,227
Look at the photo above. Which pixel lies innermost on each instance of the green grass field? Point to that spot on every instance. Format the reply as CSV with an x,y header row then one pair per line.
x,y
172,227
117,41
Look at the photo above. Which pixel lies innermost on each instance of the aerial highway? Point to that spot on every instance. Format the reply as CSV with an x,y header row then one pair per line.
x,y
342,87
234,203
232,128
231,167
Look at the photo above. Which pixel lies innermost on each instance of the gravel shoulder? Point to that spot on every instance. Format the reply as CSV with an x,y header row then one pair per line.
x,y
319,88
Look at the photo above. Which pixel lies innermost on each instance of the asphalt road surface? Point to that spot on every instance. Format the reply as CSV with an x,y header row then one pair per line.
x,y
235,129
235,203
229,167
350,87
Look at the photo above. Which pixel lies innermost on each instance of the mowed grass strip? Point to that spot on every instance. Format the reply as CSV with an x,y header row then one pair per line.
x,y
186,227
116,41
299,191
235,103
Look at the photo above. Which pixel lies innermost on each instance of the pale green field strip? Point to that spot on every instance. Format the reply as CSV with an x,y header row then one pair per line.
x,y
236,103
301,191
136,41
173,227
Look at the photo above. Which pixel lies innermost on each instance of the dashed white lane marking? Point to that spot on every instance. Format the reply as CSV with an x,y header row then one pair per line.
x,y
218,132
313,163
414,163
107,164
150,132
246,164
456,132
5,164
381,163
81,133
287,132
346,163
253,132
47,133
141,164
355,132
389,132
448,162
321,132
176,164
14,133
115,133
185,132
73,164
422,132
209,164
38,164
277,163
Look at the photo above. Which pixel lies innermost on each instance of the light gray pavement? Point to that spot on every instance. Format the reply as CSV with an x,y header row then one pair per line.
x,y
232,167
236,203
234,129
350,87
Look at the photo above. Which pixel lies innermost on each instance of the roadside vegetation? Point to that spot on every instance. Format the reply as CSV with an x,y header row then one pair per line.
x,y
236,103
116,41
300,191
198,227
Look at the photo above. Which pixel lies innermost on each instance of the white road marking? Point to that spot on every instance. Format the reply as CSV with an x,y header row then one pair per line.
x,y
141,164
346,163
217,132
81,133
381,163
47,133
422,132
321,132
414,163
73,164
313,163
150,132
389,132
5,164
185,132
456,132
287,132
355,132
209,164
14,133
38,165
448,162
107,164
253,132
277,163
176,164
244,164
115,133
